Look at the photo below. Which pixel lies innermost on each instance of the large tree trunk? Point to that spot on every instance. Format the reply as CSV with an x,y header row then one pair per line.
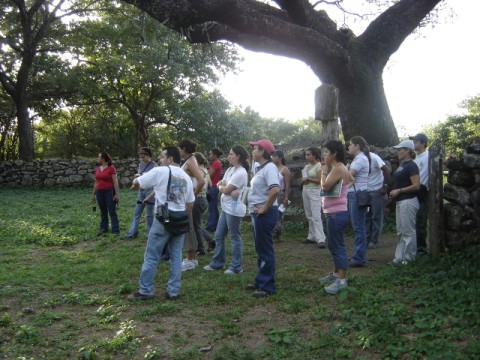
x,y
20,94
141,133
364,111
25,133
363,106
141,136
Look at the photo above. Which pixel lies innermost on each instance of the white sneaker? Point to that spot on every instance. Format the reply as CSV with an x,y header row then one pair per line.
x,y
336,287
188,265
231,272
208,268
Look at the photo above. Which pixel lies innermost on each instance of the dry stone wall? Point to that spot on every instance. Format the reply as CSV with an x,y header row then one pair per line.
x,y
462,191
58,172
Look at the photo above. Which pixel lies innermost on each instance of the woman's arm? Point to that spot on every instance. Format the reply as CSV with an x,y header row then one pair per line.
x,y
317,179
147,199
272,196
117,188
287,178
94,190
227,189
223,185
330,179
197,174
415,180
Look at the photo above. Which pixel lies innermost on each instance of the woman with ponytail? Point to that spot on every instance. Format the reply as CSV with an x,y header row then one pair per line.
x,y
359,169
233,211
106,192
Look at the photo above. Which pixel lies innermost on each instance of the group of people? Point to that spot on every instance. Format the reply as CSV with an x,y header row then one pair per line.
x,y
183,183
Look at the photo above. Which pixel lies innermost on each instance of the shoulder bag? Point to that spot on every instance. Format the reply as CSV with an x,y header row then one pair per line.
x,y
175,222
363,198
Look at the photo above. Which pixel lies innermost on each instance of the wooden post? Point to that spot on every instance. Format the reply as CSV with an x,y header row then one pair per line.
x,y
436,221
326,111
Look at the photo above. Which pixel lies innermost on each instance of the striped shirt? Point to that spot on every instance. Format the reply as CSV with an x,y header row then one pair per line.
x,y
361,165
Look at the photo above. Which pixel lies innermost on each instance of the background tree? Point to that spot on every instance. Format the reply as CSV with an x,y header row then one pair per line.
x,y
31,36
296,29
149,71
84,131
8,133
458,131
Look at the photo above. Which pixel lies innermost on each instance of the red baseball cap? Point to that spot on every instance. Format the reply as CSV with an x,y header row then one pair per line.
x,y
265,144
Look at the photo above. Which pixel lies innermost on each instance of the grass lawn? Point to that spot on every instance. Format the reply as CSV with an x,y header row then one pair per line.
x,y
63,296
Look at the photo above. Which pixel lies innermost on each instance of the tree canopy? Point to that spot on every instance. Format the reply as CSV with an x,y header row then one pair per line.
x,y
111,59
458,131
298,29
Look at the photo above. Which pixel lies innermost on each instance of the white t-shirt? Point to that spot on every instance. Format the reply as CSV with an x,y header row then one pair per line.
x,y
422,162
233,205
181,187
265,178
375,178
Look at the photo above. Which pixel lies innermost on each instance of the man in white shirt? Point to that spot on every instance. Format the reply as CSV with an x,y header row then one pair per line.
x,y
420,141
180,197
378,179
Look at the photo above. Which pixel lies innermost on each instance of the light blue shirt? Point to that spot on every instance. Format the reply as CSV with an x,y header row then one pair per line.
x,y
265,178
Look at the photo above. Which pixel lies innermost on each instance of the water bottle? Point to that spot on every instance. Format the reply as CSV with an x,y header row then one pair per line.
x,y
234,203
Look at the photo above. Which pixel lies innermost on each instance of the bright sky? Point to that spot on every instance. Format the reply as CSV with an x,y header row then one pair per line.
x,y
425,79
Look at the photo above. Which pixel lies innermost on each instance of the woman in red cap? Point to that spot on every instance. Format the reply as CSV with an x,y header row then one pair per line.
x,y
262,204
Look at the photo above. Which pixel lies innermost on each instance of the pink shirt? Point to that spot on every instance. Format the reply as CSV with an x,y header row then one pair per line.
x,y
336,204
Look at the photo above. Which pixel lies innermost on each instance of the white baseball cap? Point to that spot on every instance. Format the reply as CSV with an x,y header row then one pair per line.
x,y
405,144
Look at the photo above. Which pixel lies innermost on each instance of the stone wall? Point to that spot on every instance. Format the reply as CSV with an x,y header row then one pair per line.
x,y
57,172
462,191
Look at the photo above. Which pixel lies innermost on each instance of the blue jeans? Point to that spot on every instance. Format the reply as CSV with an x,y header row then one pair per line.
x,y
374,217
142,195
263,226
357,215
213,213
228,223
336,224
199,208
157,239
107,207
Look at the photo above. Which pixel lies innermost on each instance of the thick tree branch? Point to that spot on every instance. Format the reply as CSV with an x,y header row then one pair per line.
x,y
386,33
252,24
35,6
7,84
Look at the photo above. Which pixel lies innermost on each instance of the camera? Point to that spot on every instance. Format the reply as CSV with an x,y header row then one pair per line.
x,y
164,213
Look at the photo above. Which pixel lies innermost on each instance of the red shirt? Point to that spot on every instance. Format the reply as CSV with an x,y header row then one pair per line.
x,y
104,178
217,165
